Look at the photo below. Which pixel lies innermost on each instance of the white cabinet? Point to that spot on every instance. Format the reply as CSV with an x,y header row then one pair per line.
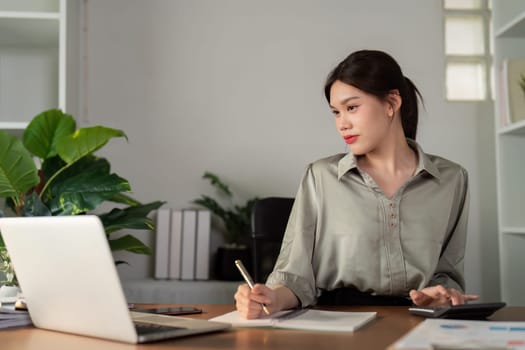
x,y
179,292
33,51
509,43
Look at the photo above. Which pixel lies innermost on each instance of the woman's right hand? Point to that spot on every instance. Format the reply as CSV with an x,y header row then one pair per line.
x,y
249,301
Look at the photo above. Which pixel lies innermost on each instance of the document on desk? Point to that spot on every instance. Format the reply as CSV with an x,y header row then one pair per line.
x,y
441,334
12,318
305,319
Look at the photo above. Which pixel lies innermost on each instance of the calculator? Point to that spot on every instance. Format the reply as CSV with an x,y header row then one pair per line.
x,y
475,311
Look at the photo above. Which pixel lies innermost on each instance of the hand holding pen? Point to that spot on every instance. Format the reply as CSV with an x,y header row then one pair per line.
x,y
249,281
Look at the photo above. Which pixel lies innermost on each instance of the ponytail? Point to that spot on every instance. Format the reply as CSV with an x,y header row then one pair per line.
x,y
409,108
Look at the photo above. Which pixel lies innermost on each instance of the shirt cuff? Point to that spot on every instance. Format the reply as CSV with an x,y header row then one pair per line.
x,y
297,284
445,281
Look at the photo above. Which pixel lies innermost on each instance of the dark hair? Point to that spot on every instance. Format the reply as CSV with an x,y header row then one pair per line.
x,y
377,73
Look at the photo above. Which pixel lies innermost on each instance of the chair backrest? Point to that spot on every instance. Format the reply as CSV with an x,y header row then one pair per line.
x,y
269,219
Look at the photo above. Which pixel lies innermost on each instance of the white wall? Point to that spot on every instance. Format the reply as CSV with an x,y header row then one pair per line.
x,y
235,87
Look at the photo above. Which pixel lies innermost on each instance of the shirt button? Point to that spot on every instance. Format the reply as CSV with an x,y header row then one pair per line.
x,y
392,215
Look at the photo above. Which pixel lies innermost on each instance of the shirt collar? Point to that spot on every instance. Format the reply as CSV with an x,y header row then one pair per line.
x,y
349,162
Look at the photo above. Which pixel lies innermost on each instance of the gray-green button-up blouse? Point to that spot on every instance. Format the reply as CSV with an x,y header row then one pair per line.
x,y
344,232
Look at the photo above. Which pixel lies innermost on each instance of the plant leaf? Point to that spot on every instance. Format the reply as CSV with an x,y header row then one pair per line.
x,y
51,165
18,172
212,205
44,131
216,181
88,164
33,206
135,217
124,199
85,141
130,244
84,192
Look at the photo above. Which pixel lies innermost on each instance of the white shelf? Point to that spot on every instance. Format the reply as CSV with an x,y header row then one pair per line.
x,y
517,128
31,32
29,15
509,42
512,230
30,5
13,125
514,28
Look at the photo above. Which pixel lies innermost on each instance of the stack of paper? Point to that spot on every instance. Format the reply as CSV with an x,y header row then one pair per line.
x,y
13,318
307,319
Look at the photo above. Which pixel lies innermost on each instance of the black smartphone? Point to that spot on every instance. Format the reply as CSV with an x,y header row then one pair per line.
x,y
173,311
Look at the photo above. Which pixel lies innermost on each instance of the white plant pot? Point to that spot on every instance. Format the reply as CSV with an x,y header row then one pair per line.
x,y
9,292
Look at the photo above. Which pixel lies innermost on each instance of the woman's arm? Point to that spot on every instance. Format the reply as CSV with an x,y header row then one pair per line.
x,y
449,270
448,282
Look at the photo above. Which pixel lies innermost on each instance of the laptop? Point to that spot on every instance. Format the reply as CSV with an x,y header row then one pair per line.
x,y
70,282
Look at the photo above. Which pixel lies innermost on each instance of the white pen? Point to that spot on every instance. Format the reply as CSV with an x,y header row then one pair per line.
x,y
249,280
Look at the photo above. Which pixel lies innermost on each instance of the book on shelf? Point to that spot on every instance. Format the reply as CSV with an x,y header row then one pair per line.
x,y
189,230
503,113
162,232
514,88
305,319
175,244
202,251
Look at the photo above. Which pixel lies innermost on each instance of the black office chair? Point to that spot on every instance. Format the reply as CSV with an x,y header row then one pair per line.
x,y
269,219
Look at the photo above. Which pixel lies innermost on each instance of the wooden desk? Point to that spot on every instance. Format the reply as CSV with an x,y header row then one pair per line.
x,y
391,324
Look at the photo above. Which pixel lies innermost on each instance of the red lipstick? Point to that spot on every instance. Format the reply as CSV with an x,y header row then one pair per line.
x,y
350,139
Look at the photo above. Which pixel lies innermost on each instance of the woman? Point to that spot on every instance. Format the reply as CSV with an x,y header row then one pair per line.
x,y
384,224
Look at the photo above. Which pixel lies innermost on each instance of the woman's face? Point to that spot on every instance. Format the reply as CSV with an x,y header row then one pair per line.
x,y
362,119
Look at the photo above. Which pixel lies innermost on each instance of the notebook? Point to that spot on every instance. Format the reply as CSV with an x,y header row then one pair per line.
x,y
70,283
305,319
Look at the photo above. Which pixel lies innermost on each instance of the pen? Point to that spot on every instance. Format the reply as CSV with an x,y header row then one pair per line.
x,y
248,280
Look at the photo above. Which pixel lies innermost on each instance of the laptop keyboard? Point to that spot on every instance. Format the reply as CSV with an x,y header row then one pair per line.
x,y
148,328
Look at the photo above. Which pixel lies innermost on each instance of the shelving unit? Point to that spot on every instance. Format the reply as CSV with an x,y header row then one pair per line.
x,y
509,42
32,60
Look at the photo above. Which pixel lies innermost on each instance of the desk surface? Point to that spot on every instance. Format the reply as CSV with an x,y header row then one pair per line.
x,y
392,322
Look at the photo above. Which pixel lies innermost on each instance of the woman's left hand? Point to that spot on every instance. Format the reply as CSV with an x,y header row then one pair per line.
x,y
439,295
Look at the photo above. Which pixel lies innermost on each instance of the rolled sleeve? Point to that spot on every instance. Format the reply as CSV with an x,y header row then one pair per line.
x,y
293,268
450,269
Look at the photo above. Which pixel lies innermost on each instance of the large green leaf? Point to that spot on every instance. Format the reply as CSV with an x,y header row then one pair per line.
x,y
85,141
44,131
84,192
18,172
33,206
88,164
135,217
130,244
89,175
124,199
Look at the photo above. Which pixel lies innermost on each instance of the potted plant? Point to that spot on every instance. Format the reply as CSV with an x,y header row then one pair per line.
x,y
71,180
236,220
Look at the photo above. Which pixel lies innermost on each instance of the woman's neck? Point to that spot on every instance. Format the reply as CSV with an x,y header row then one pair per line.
x,y
393,156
